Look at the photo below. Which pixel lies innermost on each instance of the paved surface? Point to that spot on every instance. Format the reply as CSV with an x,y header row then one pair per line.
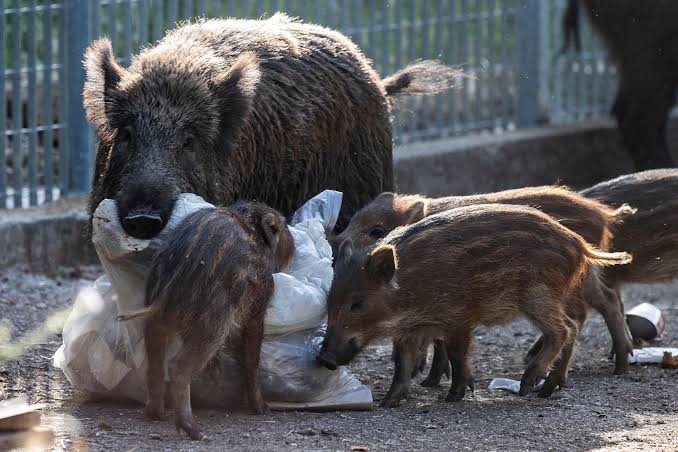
x,y
638,411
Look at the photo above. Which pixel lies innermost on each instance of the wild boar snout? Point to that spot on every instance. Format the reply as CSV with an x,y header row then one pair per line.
x,y
144,209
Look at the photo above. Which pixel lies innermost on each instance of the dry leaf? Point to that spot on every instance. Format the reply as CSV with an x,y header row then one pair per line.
x,y
669,361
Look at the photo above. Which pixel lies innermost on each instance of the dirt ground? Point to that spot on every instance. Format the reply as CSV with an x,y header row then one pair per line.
x,y
638,411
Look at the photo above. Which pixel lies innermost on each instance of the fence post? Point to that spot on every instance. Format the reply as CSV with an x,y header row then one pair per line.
x,y
77,16
528,34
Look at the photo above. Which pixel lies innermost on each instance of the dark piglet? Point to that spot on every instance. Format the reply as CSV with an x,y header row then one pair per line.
x,y
210,284
651,235
594,221
451,271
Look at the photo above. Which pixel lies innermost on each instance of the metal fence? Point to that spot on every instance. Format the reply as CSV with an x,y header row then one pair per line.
x,y
508,49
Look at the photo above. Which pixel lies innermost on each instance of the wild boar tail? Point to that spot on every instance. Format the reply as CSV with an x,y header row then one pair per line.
x,y
605,259
421,77
146,312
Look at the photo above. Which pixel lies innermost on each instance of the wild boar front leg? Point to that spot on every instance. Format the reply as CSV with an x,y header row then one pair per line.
x,y
406,350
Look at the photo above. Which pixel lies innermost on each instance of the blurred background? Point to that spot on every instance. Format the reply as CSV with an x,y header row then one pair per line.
x,y
509,49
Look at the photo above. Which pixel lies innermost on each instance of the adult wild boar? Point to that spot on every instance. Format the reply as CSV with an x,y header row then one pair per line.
x,y
642,37
272,110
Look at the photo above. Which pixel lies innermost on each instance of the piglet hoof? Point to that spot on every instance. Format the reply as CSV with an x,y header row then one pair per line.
x,y
435,375
621,365
190,427
526,386
456,394
259,408
390,402
549,386
432,380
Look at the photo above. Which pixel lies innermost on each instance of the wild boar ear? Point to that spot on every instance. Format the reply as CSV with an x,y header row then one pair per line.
x,y
416,211
236,89
102,76
345,251
271,227
381,263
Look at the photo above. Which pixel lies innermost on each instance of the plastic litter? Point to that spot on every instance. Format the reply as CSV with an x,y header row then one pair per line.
x,y
651,355
645,321
107,358
509,385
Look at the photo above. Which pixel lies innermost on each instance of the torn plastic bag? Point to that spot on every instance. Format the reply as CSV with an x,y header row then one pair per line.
x,y
107,358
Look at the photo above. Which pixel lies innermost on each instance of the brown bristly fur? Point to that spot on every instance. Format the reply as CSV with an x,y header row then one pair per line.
x,y
593,220
651,234
442,276
210,284
278,110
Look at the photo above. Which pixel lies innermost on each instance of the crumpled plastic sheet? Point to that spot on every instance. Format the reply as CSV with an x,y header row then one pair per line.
x,y
107,358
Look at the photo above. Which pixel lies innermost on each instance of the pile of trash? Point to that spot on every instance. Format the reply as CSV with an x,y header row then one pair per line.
x,y
106,358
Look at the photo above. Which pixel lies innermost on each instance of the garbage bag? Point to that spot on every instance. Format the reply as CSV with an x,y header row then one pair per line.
x,y
107,358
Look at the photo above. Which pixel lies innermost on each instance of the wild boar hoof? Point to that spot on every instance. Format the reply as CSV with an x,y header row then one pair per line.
x,y
190,427
259,408
549,386
525,388
456,395
432,380
621,366
390,402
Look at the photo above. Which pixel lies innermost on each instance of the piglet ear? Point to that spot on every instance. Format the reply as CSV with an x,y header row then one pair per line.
x,y
271,227
381,263
102,77
345,251
416,212
236,89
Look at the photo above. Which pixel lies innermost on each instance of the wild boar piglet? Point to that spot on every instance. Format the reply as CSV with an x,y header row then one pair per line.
x,y
210,283
449,272
594,221
651,235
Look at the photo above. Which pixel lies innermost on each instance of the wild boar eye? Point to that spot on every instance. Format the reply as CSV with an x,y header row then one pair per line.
x,y
188,143
377,232
125,135
358,305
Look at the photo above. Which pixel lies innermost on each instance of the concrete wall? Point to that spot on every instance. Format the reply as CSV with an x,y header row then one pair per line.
x,y
580,155
577,155
46,238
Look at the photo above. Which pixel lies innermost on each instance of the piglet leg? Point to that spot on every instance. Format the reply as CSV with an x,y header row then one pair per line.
x,y
252,336
458,344
440,365
155,339
406,350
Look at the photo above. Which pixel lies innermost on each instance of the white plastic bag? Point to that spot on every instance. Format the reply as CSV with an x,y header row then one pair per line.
x,y
106,357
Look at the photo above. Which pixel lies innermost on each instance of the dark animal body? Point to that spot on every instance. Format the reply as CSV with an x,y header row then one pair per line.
x,y
651,234
272,110
451,271
642,37
210,284
594,221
